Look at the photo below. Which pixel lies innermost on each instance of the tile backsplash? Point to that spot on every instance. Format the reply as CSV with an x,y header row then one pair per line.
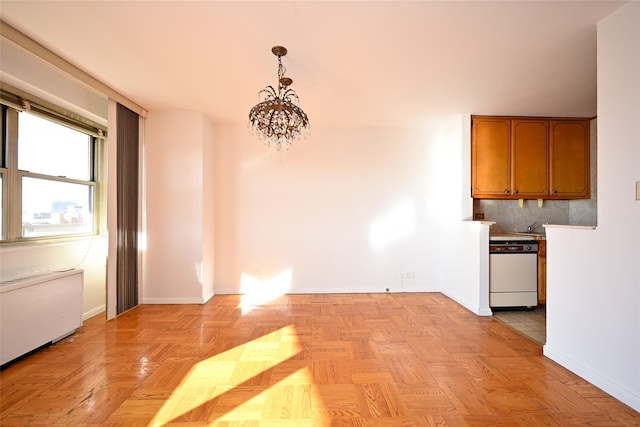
x,y
510,217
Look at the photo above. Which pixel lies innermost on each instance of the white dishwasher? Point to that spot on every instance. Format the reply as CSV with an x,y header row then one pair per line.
x,y
513,274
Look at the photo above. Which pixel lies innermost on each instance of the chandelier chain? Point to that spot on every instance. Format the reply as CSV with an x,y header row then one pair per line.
x,y
281,70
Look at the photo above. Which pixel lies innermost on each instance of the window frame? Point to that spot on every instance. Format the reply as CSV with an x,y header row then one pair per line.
x,y
12,177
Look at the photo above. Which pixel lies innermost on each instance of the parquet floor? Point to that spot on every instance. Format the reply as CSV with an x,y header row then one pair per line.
x,y
340,360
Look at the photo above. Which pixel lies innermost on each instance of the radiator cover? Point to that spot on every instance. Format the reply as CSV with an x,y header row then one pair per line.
x,y
38,310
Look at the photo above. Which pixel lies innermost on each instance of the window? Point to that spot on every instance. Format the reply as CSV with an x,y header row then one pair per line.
x,y
48,174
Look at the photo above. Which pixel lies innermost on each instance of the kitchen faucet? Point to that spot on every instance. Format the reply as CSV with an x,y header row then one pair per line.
x,y
532,227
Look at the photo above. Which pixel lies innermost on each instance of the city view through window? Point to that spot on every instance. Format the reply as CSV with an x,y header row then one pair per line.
x,y
55,164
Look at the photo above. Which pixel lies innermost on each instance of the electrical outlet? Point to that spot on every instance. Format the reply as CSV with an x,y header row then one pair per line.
x,y
410,274
638,190
478,216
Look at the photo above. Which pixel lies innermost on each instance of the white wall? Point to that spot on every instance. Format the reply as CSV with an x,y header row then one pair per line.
x,y
348,210
208,210
178,259
463,244
111,186
593,276
465,264
31,74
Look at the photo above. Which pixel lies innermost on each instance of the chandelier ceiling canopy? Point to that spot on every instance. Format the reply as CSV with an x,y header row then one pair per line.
x,y
278,120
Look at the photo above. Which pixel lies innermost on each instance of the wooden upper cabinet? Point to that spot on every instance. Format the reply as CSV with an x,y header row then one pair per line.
x,y
491,157
570,160
529,158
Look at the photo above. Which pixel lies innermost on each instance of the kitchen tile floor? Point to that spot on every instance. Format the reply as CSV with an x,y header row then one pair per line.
x,y
530,323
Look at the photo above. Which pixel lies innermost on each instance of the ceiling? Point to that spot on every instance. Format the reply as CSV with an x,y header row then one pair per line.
x,y
353,63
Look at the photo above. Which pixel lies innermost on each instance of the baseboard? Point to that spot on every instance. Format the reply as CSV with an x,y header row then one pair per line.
x,y
468,305
173,300
94,312
208,297
626,396
484,312
235,291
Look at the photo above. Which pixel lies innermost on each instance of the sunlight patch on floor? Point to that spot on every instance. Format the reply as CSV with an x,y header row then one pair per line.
x,y
254,381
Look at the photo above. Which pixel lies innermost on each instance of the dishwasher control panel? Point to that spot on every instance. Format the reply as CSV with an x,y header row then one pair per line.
x,y
496,247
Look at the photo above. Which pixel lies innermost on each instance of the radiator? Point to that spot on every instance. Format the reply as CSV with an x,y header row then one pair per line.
x,y
38,310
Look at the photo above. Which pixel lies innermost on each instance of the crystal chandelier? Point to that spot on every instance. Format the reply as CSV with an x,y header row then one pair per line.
x,y
278,120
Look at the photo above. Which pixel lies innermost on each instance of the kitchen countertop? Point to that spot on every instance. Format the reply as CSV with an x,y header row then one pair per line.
x,y
514,236
574,227
517,236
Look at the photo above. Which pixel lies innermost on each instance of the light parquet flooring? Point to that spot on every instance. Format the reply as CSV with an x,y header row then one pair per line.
x,y
339,360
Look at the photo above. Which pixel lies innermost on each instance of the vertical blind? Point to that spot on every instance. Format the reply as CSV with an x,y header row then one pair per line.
x,y
127,210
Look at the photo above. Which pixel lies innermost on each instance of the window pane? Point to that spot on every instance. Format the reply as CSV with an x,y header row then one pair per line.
x,y
49,148
55,208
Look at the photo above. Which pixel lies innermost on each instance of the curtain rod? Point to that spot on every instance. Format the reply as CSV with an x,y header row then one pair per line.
x,y
42,52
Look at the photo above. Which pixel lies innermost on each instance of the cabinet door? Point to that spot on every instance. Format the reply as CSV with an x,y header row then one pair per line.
x,y
542,271
529,158
569,159
490,157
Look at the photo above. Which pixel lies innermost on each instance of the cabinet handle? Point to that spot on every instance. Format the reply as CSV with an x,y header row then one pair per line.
x,y
515,192
555,191
506,191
